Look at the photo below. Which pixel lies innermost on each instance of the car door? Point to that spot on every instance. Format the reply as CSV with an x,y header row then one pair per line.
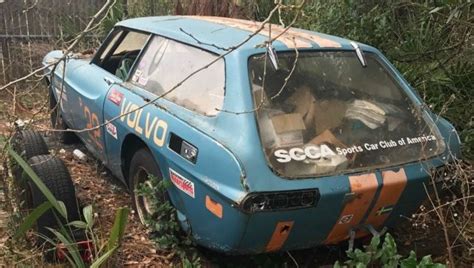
x,y
92,82
179,146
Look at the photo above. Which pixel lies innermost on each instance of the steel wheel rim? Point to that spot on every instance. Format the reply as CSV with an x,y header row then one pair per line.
x,y
143,204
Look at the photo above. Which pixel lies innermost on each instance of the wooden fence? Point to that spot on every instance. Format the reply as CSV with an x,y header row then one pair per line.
x,y
30,28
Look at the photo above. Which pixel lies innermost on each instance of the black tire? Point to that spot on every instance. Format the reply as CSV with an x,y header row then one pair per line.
x,y
27,143
54,174
58,123
142,166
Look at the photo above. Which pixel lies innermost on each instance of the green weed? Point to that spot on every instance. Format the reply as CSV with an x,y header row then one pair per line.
x,y
166,231
384,255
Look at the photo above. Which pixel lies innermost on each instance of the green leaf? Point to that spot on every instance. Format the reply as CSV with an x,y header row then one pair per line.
x,y
88,217
39,183
31,219
116,235
71,247
78,224
374,243
118,228
63,208
389,255
103,258
410,261
427,262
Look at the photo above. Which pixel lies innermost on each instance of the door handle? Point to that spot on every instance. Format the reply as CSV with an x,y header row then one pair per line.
x,y
109,81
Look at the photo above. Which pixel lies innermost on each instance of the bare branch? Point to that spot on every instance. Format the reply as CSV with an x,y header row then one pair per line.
x,y
76,41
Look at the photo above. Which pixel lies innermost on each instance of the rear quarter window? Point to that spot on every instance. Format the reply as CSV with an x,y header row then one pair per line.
x,y
165,63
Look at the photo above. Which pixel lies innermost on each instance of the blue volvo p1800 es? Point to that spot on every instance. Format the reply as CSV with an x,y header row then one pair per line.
x,y
268,145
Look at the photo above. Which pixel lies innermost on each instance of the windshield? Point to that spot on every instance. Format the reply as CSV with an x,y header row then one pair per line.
x,y
327,114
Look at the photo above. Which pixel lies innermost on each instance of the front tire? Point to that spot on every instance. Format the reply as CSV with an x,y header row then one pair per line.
x,y
142,168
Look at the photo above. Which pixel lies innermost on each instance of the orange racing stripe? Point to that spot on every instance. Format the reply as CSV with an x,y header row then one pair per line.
x,y
364,188
393,185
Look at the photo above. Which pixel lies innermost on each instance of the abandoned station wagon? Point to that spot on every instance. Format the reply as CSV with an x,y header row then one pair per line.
x,y
268,145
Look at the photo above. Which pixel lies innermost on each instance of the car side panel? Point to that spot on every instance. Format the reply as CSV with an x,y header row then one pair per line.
x,y
88,92
62,88
215,170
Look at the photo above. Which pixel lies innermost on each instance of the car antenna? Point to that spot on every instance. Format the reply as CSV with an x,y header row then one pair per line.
x,y
359,53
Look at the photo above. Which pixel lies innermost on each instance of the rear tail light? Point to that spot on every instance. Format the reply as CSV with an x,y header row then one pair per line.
x,y
271,201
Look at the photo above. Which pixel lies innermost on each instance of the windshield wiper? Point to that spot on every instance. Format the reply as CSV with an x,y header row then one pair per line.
x,y
359,53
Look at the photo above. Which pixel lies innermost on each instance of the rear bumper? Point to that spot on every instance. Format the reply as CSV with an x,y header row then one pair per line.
x,y
378,199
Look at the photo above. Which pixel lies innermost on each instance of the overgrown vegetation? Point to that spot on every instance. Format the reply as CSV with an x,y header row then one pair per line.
x,y
385,254
430,42
165,229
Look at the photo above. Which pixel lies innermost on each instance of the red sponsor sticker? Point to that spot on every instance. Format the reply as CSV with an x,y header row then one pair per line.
x,y
182,183
112,130
115,96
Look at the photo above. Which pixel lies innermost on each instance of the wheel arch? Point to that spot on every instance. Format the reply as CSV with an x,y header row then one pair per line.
x,y
130,144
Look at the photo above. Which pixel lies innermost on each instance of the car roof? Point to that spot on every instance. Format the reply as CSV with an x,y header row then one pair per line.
x,y
220,34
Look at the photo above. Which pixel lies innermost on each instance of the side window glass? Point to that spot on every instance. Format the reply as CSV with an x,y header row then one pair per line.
x,y
120,55
115,36
165,63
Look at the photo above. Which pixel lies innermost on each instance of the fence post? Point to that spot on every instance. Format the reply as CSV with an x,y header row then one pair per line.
x,y
5,60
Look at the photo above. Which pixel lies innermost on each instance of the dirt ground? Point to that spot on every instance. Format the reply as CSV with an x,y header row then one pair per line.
x,y
95,185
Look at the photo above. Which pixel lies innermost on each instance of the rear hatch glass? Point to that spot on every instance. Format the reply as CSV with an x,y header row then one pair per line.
x,y
328,114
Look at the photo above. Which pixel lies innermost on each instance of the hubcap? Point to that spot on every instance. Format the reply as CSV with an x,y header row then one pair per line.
x,y
146,201
143,203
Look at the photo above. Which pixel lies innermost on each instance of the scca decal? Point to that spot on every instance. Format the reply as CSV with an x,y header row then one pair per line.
x,y
300,154
182,183
154,129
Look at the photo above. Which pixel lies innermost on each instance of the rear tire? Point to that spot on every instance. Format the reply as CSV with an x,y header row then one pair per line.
x,y
58,123
142,166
